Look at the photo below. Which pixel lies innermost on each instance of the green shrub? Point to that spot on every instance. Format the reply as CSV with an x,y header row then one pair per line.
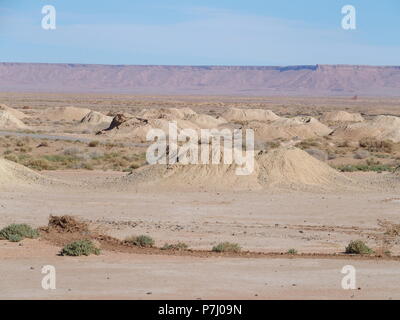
x,y
292,251
140,241
226,247
80,248
364,168
18,232
358,247
178,246
15,238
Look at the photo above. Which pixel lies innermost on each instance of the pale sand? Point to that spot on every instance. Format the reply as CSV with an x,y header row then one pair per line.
x,y
127,276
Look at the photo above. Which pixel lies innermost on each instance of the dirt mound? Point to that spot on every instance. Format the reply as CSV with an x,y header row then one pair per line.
x,y
204,121
191,177
284,167
13,174
67,224
137,127
17,114
294,167
185,116
288,128
240,115
8,121
96,120
341,116
66,113
118,119
380,127
166,113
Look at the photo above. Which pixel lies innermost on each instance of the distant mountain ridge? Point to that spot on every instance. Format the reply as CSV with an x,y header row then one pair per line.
x,y
307,80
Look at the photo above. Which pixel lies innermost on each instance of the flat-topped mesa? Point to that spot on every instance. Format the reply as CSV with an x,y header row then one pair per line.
x,y
303,80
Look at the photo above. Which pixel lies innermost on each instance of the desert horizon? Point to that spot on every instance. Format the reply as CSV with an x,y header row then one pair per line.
x,y
311,80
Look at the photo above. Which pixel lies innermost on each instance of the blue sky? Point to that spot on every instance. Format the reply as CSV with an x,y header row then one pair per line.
x,y
201,32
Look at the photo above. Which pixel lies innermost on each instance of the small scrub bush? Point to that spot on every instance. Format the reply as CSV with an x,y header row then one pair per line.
x,y
39,164
18,232
307,143
178,246
141,241
358,247
72,151
227,247
80,248
374,145
93,144
292,251
11,157
372,162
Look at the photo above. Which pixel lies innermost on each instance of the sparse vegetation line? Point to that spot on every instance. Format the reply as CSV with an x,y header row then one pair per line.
x,y
76,238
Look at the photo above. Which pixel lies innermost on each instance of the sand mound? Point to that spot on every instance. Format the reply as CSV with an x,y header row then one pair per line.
x,y
96,120
204,121
284,168
17,114
8,121
191,177
13,174
380,127
235,114
289,128
341,116
166,113
66,113
294,167
137,127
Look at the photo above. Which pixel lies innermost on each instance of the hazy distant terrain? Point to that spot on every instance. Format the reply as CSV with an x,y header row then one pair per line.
x,y
319,80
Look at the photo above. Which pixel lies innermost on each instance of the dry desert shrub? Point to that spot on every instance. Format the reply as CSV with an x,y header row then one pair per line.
x,y
227,247
176,247
308,143
374,145
358,247
38,164
93,144
80,248
67,224
391,229
141,241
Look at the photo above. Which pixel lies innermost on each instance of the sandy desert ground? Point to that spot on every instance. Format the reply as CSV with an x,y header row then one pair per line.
x,y
319,184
